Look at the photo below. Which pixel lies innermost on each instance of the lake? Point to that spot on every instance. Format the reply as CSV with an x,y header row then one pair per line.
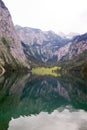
x,y
30,102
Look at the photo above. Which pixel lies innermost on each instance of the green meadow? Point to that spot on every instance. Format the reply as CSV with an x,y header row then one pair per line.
x,y
46,71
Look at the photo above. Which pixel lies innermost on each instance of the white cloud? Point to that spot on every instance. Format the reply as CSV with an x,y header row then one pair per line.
x,y
56,15
64,120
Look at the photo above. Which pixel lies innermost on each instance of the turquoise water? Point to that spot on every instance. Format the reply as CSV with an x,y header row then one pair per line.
x,y
43,103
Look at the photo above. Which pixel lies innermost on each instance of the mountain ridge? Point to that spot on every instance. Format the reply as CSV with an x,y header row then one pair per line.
x,y
41,45
24,46
51,47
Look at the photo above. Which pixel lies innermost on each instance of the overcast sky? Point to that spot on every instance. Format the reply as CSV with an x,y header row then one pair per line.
x,y
57,15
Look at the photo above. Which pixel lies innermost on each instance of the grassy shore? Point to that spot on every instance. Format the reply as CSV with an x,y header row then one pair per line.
x,y
46,71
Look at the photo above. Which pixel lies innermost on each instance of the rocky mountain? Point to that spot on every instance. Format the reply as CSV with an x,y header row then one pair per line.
x,y
78,46
19,46
11,50
41,45
75,48
50,47
69,35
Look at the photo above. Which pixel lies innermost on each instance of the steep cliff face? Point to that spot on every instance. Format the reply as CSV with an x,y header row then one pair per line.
x,y
30,36
11,50
41,45
78,46
50,47
76,49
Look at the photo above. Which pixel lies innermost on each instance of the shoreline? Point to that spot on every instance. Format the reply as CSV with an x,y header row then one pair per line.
x,y
3,71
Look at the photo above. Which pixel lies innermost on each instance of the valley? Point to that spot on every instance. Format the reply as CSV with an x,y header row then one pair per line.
x,y
43,75
25,47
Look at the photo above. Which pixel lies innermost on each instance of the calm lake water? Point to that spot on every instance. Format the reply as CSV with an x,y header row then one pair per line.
x,y
43,103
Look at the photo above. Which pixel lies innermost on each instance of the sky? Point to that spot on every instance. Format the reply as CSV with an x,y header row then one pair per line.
x,y
57,15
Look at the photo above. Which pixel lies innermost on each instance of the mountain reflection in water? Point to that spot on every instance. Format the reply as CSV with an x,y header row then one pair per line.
x,y
26,95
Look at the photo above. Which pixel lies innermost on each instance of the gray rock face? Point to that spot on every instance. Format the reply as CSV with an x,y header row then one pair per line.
x,y
45,46
11,50
50,47
41,45
30,36
78,46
